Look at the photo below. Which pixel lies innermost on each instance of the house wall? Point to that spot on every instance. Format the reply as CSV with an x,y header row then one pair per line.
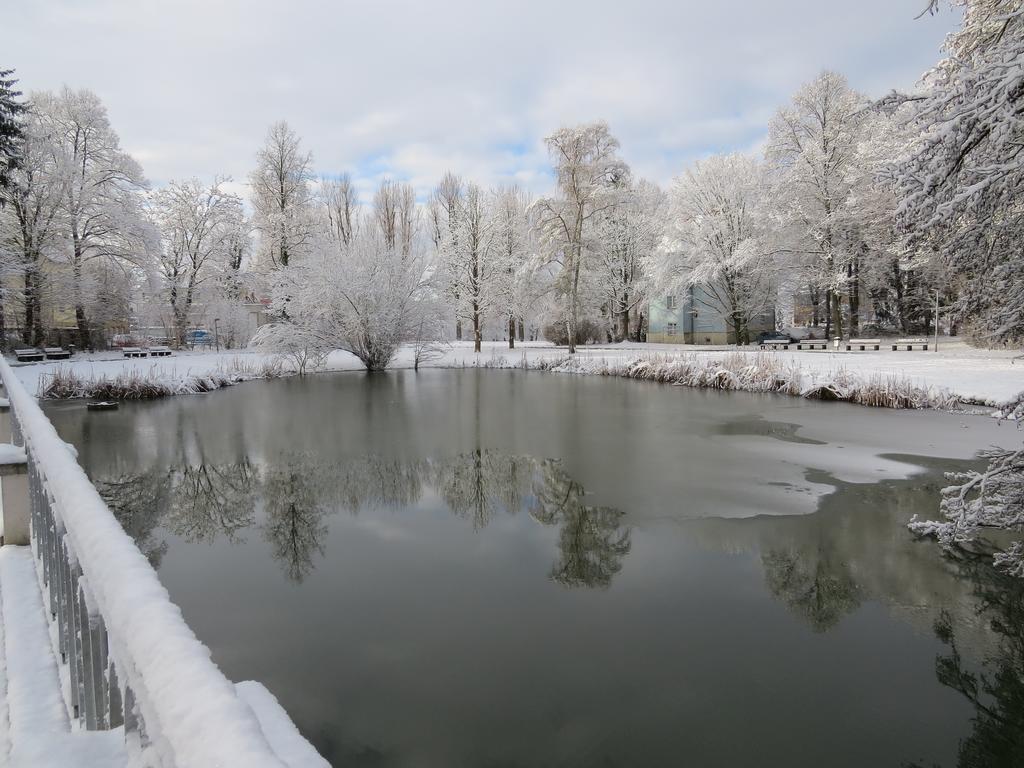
x,y
695,321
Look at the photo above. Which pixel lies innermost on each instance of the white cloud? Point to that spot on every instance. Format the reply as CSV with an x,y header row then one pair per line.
x,y
410,89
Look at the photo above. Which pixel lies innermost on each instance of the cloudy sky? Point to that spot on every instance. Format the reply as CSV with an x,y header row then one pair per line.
x,y
410,89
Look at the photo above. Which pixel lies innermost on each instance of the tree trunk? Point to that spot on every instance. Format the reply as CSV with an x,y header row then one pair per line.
x,y
476,327
853,294
33,332
739,328
815,296
901,311
3,322
623,333
84,341
828,314
522,330
30,306
511,331
837,313
574,296
458,329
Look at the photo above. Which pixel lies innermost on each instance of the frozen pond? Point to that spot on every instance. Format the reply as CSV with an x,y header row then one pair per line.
x,y
495,568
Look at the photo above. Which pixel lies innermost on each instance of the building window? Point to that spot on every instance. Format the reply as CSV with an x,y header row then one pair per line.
x,y
671,302
672,328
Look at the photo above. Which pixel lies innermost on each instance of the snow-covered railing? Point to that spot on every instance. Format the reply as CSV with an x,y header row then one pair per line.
x,y
129,658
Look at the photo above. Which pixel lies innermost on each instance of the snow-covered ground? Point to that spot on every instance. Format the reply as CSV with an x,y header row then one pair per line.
x,y
989,377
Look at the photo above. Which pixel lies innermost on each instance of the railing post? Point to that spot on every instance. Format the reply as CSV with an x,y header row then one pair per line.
x,y
14,494
5,420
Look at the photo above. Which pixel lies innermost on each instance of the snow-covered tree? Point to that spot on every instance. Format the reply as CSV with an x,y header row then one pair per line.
x,y
444,211
396,215
587,167
367,298
960,183
515,286
282,197
812,146
340,205
198,228
717,238
473,261
102,212
32,221
12,110
625,243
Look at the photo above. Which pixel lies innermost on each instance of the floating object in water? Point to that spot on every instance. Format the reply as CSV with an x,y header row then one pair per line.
x,y
103,405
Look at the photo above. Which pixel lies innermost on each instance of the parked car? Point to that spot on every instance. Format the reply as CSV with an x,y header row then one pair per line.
x,y
764,336
198,337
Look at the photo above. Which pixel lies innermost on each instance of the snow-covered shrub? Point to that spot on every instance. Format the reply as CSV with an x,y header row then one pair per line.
x,y
587,332
366,297
67,382
301,347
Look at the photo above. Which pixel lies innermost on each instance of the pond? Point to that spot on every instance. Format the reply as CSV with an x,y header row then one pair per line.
x,y
503,568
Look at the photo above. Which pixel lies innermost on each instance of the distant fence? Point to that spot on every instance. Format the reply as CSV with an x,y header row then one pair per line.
x,y
130,658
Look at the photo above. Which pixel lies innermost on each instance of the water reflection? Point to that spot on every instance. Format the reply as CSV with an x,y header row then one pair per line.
x,y
294,497
466,602
815,585
995,688
591,541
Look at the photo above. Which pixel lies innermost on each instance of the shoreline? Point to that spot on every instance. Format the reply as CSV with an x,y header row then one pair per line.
x,y
727,369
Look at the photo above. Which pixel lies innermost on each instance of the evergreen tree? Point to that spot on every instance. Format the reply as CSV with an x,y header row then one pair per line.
x,y
11,109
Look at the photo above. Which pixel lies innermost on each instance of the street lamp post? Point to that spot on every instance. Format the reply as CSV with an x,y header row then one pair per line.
x,y
216,334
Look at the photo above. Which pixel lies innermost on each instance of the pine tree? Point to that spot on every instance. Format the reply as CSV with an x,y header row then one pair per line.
x,y
11,109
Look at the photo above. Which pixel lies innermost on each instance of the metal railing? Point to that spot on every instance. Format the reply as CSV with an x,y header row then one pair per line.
x,y
130,658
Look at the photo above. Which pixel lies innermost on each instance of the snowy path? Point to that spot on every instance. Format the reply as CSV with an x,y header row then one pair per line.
x,y
34,726
990,377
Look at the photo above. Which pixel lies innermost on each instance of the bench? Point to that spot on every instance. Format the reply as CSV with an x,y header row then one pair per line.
x,y
28,355
805,344
56,353
134,352
160,351
775,344
863,344
910,344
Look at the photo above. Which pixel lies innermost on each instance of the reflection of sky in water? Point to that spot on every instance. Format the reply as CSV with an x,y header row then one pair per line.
x,y
506,569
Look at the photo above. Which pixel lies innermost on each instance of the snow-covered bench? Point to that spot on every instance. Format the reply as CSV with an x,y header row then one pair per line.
x,y
775,344
863,344
134,352
56,353
28,355
910,344
159,351
809,344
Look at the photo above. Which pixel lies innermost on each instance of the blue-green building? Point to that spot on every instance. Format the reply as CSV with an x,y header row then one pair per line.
x,y
690,317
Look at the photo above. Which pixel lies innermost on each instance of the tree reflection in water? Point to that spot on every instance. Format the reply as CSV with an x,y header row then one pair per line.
x,y
293,525
996,688
591,541
295,495
814,585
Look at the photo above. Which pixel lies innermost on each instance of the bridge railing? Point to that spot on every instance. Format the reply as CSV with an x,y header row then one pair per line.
x,y
130,658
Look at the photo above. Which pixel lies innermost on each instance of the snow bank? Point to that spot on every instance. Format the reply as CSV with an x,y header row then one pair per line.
x,y
987,377
191,711
754,373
